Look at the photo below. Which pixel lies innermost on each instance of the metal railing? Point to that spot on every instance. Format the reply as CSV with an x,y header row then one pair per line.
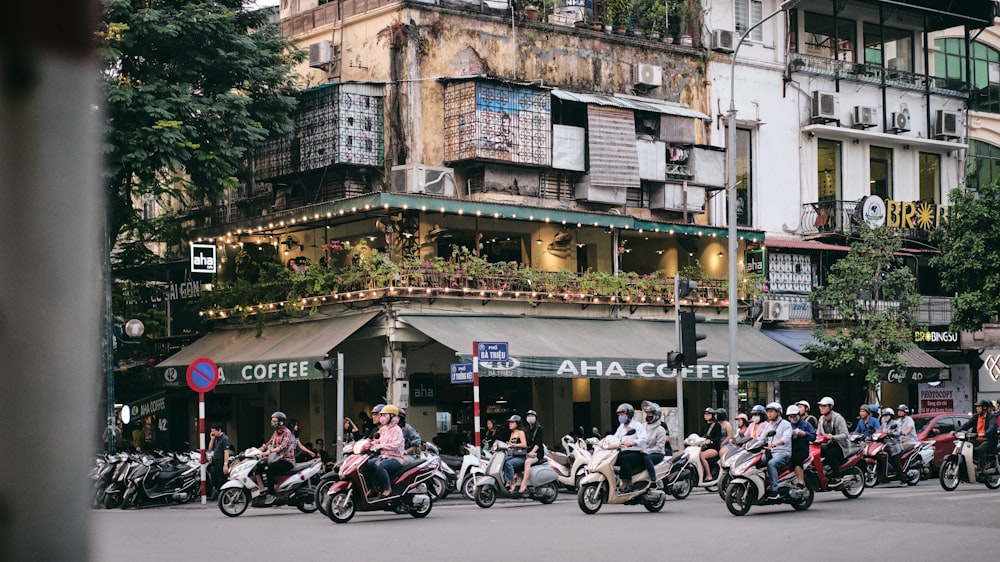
x,y
874,74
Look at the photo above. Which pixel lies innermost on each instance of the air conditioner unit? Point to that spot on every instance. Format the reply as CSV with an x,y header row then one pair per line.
x,y
825,106
900,121
420,178
723,41
647,74
775,311
322,54
865,116
947,124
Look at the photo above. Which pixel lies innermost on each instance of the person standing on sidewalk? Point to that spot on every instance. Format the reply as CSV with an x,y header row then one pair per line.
x,y
220,447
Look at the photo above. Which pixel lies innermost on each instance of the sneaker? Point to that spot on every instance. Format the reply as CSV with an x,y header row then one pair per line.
x,y
772,495
834,481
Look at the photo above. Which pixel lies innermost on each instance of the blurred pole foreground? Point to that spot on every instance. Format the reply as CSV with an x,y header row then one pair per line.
x,y
51,220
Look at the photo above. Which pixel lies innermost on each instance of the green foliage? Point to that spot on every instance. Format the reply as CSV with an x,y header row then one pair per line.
x,y
619,12
874,294
970,249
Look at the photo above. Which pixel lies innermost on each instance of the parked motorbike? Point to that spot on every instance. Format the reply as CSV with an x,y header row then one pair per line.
x,y
852,470
542,481
175,478
698,477
101,476
119,480
748,485
473,462
602,483
878,469
960,465
293,488
354,492
570,466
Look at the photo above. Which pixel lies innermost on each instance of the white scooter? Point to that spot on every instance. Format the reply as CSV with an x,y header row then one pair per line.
x,y
698,477
241,490
960,465
473,462
603,484
571,466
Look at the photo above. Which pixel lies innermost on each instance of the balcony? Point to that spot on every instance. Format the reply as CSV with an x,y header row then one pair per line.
x,y
873,74
843,217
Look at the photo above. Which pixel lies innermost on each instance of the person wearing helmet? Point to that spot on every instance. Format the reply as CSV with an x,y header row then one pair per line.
x,y
780,445
516,453
984,423
758,419
632,436
536,447
282,446
867,423
373,429
389,445
907,429
742,423
804,413
833,424
411,439
710,450
656,439
802,434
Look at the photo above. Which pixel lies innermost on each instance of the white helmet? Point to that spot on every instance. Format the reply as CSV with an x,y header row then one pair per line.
x,y
773,406
792,410
826,401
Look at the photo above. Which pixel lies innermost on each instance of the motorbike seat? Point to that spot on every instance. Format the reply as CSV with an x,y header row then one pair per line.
x,y
165,475
404,467
452,461
560,458
852,450
907,445
299,467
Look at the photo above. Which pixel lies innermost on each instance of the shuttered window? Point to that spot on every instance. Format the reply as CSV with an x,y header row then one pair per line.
x,y
748,13
614,159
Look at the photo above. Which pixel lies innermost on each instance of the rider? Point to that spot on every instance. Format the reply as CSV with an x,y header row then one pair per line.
x,y
411,439
282,443
656,439
713,436
727,428
515,457
833,424
389,444
780,445
370,434
758,419
804,413
802,435
907,430
633,440
867,422
742,423
536,448
985,425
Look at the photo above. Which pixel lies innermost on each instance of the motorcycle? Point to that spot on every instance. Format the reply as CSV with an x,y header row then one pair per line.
x,y
101,476
602,483
852,470
472,462
960,465
570,466
120,479
542,481
698,477
353,492
241,490
748,485
877,465
680,477
445,479
176,478
730,454
327,479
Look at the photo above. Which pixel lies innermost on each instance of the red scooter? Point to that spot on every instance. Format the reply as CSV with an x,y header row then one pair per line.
x,y
352,492
852,474
877,460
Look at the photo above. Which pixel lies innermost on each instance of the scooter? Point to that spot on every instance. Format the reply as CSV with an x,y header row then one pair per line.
x,y
472,462
698,477
445,479
542,480
877,465
960,465
172,479
354,492
748,486
730,454
852,470
571,466
241,490
602,483
680,477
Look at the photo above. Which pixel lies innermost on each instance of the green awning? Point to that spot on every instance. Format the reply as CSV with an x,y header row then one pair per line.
x,y
282,352
608,348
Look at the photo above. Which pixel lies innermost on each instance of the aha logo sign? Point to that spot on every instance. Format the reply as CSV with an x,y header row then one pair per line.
x,y
203,258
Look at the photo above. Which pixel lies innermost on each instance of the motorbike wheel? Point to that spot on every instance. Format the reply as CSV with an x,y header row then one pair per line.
x,y
590,498
579,476
234,501
655,506
486,496
992,481
724,485
422,512
341,508
949,475
321,492
739,498
307,501
129,498
469,487
547,493
854,485
684,487
871,475
112,500
805,503
437,488
912,476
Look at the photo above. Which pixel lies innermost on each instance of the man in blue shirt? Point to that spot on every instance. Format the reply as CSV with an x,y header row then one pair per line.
x,y
802,434
867,422
780,445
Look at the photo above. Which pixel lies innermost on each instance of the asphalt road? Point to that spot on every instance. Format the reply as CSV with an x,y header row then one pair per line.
x,y
886,523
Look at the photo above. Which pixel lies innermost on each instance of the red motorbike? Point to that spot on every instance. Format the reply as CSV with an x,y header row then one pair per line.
x,y
877,469
354,491
852,474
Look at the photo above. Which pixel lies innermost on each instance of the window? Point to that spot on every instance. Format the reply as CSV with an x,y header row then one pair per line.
x,y
880,171
820,31
949,63
984,164
895,54
930,177
744,178
828,170
748,14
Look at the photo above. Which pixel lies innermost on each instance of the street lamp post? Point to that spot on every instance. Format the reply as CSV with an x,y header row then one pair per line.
x,y
731,201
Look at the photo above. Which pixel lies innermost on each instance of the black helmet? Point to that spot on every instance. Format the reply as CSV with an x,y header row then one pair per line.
x,y
515,418
651,409
722,414
625,408
984,403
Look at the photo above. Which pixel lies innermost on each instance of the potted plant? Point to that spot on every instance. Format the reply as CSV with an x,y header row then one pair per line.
x,y
653,14
531,12
690,12
618,14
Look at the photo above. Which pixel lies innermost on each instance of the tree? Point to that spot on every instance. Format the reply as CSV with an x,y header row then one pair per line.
x,y
970,249
874,295
189,86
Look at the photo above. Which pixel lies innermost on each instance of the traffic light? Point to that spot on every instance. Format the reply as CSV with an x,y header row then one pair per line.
x,y
675,360
684,287
690,338
326,366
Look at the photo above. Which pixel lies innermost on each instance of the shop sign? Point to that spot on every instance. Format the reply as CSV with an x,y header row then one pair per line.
x,y
755,261
917,215
597,368
936,339
148,406
934,400
203,258
908,375
422,390
989,373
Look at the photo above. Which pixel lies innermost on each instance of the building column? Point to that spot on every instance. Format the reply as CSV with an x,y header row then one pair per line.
x,y
600,404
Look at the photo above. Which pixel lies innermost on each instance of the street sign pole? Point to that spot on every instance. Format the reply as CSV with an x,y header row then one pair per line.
x,y
202,376
475,391
201,441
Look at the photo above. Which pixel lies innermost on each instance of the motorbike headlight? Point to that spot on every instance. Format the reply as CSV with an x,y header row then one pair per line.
x,y
741,468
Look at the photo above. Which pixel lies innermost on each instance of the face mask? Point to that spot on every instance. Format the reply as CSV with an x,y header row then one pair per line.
x,y
623,418
274,425
531,419
650,418
755,419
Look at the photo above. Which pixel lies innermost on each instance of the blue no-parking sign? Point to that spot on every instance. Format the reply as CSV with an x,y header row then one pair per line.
x,y
202,375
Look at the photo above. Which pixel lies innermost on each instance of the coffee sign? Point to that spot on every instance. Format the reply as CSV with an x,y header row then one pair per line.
x,y
912,374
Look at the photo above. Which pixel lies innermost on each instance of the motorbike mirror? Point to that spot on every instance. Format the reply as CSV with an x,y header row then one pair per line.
x,y
630,432
771,433
376,436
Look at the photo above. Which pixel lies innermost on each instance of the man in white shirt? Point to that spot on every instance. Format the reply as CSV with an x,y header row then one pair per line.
x,y
780,445
633,440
